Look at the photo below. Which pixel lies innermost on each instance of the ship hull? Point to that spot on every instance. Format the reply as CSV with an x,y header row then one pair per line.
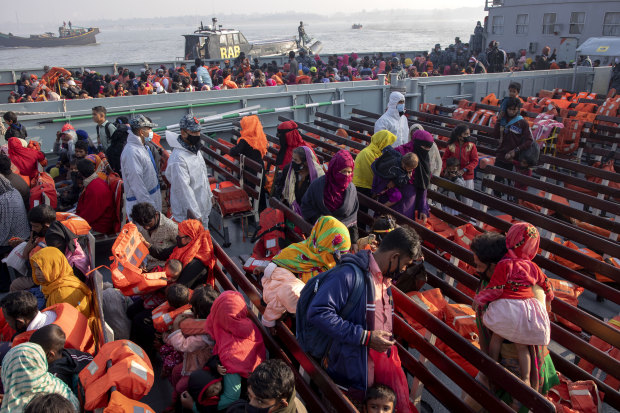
x,y
76,40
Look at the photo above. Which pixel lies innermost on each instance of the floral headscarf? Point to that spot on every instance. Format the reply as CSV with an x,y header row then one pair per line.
x,y
316,254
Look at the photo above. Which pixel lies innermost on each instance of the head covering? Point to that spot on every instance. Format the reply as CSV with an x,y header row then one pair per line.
x,y
24,376
199,382
25,159
336,183
422,174
270,82
59,284
408,62
5,185
190,123
140,121
252,133
314,171
291,141
82,135
362,174
395,97
316,254
200,246
381,67
522,241
238,341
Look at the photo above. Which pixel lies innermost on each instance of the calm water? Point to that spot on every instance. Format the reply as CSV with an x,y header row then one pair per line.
x,y
130,44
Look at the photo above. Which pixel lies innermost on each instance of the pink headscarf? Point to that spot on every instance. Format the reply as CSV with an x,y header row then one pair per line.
x,y
522,241
336,183
446,70
381,67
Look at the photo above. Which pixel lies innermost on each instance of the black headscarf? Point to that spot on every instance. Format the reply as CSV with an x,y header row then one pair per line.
x,y
422,174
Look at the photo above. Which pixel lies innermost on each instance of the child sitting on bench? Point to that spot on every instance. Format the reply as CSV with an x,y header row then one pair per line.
x,y
452,174
513,312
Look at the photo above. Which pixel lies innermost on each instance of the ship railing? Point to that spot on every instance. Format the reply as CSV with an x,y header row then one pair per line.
x,y
590,324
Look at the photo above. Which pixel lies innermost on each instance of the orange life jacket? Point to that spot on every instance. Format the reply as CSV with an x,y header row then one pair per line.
x,y
572,397
490,100
43,191
128,252
569,136
545,93
583,95
164,315
569,293
489,228
538,208
270,231
465,234
122,364
482,117
431,300
428,108
605,348
462,319
586,107
75,223
466,104
74,325
462,114
122,404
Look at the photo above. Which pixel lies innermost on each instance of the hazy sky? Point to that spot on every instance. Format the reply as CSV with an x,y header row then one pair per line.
x,y
42,11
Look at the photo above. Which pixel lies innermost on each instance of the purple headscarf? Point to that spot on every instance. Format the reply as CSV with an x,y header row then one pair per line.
x,y
336,183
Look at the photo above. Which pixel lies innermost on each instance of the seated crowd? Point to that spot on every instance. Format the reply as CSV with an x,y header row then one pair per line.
x,y
457,59
211,350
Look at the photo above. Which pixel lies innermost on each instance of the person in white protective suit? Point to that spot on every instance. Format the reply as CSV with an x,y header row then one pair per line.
x,y
190,192
394,120
138,166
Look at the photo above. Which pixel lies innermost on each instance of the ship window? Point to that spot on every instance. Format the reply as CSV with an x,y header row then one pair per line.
x,y
222,40
523,21
242,38
611,24
577,19
229,37
498,25
548,23
236,38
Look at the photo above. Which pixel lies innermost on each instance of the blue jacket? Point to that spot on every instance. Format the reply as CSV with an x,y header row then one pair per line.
x,y
347,360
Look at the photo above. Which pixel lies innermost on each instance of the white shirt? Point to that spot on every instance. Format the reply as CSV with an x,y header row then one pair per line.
x,y
189,185
139,176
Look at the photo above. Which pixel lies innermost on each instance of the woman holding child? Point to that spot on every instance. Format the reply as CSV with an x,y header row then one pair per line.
x,y
466,152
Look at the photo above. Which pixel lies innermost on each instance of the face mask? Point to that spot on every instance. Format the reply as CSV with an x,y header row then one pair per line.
x,y
150,137
251,409
297,166
400,107
193,140
180,242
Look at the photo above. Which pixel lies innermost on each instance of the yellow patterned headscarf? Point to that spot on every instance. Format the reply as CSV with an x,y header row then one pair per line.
x,y
311,257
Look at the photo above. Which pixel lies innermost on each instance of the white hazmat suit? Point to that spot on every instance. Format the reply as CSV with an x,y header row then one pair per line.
x,y
393,122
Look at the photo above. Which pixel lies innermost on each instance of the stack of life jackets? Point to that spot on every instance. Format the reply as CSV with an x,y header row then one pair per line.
x,y
605,348
460,317
120,365
128,253
579,396
164,315
230,198
266,239
569,137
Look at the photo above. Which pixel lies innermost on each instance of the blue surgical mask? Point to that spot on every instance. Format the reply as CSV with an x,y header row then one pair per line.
x,y
150,137
400,107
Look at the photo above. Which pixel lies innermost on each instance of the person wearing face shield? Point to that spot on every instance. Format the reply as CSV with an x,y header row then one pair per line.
x,y
394,119
138,166
364,340
190,192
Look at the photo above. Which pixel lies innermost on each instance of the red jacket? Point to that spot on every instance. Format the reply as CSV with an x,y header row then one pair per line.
x,y
96,206
467,153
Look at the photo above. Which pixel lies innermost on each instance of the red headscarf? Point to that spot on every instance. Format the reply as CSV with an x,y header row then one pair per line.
x,y
293,140
522,241
200,247
238,342
336,183
24,159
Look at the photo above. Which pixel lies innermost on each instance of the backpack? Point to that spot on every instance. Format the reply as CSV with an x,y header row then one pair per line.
x,y
311,339
117,143
530,155
43,191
